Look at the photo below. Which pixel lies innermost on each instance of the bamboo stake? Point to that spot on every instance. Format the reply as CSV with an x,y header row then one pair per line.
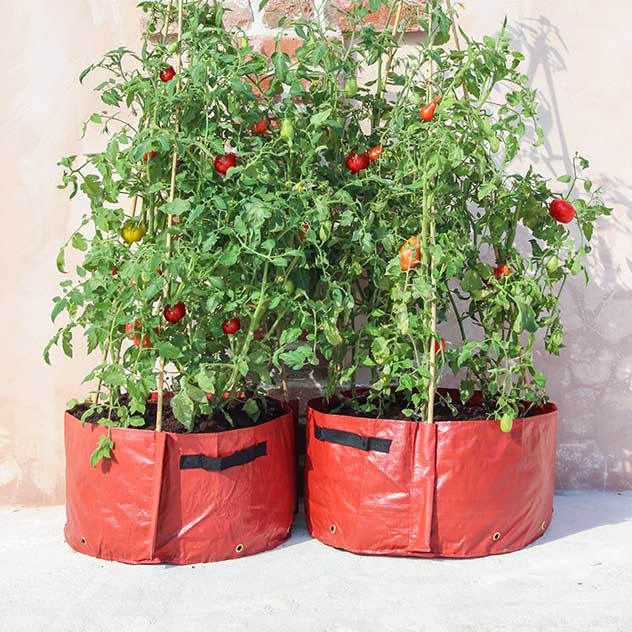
x,y
433,301
172,194
389,59
457,40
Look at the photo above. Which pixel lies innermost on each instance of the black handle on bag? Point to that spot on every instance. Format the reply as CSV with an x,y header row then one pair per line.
x,y
352,440
220,463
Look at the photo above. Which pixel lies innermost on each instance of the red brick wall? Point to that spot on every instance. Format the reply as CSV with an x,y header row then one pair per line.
x,y
263,25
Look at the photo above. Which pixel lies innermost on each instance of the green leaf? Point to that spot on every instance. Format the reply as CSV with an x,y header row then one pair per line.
x,y
297,358
61,260
320,117
104,448
59,307
471,281
206,380
182,407
168,351
79,242
526,320
196,394
66,342
380,350
230,255
177,207
91,186
251,408
332,335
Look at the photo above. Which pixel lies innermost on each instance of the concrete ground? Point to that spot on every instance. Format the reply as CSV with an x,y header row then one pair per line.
x,y
577,577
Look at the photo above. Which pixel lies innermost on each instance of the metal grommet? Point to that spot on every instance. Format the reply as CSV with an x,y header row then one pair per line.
x,y
333,528
239,548
544,525
83,540
496,536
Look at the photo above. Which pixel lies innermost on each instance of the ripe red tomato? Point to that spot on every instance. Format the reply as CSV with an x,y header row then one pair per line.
x,y
439,346
114,270
146,155
223,163
260,127
410,254
231,326
375,153
562,211
427,112
159,271
167,74
129,327
176,313
501,270
356,162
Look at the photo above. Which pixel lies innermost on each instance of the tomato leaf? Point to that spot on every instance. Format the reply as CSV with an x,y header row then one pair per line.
x,y
182,407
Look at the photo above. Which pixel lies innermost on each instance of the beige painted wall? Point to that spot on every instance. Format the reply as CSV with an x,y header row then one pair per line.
x,y
580,59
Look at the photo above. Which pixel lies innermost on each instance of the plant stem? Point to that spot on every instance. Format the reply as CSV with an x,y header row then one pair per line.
x,y
172,193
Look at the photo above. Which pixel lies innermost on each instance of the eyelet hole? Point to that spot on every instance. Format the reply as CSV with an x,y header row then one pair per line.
x,y
333,528
496,536
239,548
83,540
544,525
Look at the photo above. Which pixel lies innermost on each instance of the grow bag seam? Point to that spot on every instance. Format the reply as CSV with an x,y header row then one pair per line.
x,y
352,440
219,464
160,441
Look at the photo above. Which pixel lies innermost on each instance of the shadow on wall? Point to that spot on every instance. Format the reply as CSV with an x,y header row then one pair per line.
x,y
592,379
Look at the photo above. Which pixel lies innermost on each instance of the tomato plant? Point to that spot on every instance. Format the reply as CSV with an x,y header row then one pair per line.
x,y
366,269
436,235
167,250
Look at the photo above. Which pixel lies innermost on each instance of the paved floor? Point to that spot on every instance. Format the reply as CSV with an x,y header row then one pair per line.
x,y
577,577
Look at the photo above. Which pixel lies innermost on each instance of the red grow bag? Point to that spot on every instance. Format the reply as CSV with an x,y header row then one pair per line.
x,y
180,498
448,489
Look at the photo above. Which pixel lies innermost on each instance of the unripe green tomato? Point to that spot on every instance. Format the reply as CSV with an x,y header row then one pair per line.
x,y
556,338
173,47
494,144
289,287
287,130
480,295
552,264
351,88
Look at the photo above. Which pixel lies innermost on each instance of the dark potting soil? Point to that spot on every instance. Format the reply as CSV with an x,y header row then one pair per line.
x,y
442,412
217,423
